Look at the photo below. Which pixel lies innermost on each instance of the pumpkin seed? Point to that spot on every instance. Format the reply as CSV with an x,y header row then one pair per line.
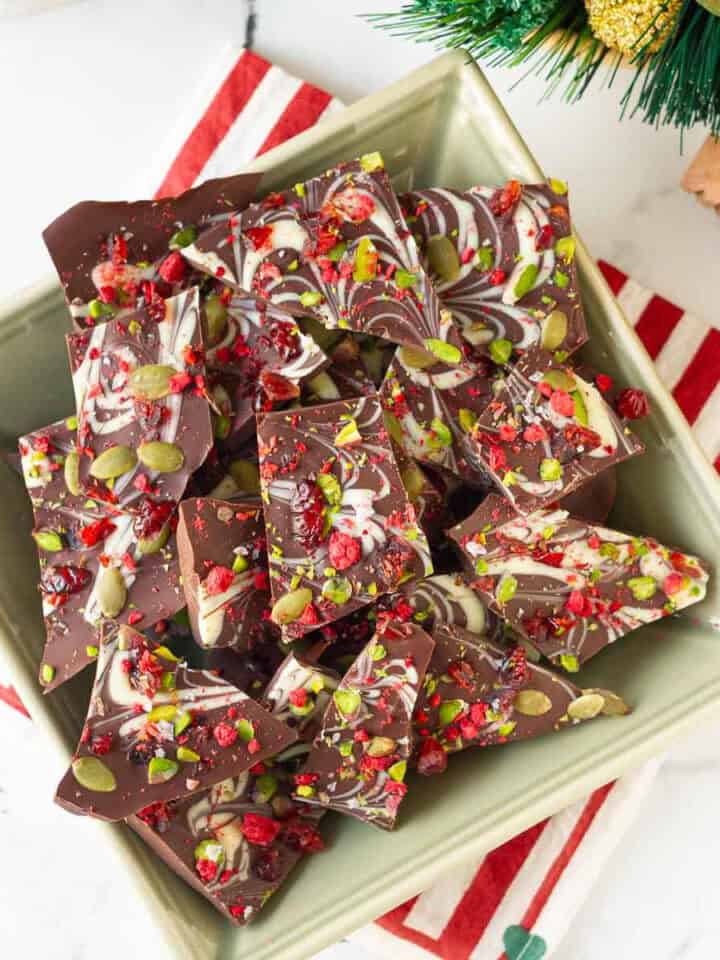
x,y
446,352
160,770
443,258
381,746
532,703
416,359
558,186
93,774
467,419
587,706
559,380
246,475
614,705
154,544
111,592
581,414
113,462
161,456
506,588
216,315
414,481
49,540
71,472
182,722
291,606
266,787
554,330
151,381
550,470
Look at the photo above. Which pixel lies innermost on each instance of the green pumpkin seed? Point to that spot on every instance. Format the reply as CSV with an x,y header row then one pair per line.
x,y
559,380
49,540
381,746
291,606
532,703
614,706
366,261
71,473
443,258
587,706
93,774
526,281
550,470
446,352
416,359
581,414
506,588
245,729
160,770
246,475
216,315
111,592
347,702
113,462
154,544
151,381
554,330
161,456
182,722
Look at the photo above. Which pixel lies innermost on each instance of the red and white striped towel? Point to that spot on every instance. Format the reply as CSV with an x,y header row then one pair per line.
x,y
517,902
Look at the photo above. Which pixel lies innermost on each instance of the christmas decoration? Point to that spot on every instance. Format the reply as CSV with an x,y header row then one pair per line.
x,y
672,47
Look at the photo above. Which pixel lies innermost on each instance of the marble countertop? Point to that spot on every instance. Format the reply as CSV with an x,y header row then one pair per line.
x,y
81,123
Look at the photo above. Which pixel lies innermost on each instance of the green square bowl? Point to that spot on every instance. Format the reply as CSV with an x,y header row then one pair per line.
x,y
440,125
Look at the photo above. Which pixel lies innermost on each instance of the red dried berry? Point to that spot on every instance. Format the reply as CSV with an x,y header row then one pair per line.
x,y
343,550
101,745
432,758
151,517
277,388
545,237
207,870
299,835
462,673
93,533
496,277
632,404
259,237
309,616
225,734
173,268
218,580
298,698
285,339
308,508
505,199
155,815
603,382
578,604
260,830
579,436
63,580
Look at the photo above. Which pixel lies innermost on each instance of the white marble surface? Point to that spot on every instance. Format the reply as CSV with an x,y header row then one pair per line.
x,y
89,91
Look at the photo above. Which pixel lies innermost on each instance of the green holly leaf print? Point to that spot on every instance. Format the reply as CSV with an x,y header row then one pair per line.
x,y
520,944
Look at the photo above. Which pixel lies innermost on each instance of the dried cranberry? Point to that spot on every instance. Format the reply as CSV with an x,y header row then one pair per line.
x,y
268,867
141,753
260,237
298,835
277,388
285,339
505,199
579,436
218,580
63,580
173,268
101,745
515,666
225,734
462,673
94,533
151,517
260,830
632,404
432,758
206,869
308,508
156,815
545,237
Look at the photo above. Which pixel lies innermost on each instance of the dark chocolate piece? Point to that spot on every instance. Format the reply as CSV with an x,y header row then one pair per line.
x,y
594,500
299,694
340,528
223,561
476,694
96,564
446,599
107,252
571,587
503,262
335,248
144,420
358,760
547,432
156,731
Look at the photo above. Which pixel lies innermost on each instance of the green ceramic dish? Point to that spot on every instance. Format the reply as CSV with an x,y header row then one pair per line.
x,y
441,124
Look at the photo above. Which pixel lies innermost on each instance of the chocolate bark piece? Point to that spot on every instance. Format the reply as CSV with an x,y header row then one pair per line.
x,y
156,731
595,499
107,253
223,561
431,409
477,694
503,262
572,587
143,416
547,432
428,493
299,694
358,760
228,474
446,599
97,565
335,248
340,528
357,367
235,843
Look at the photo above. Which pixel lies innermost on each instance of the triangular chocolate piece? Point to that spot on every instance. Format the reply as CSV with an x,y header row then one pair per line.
x,y
156,731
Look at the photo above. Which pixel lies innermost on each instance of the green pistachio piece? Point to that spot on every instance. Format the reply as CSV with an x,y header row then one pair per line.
x,y
481,566
93,774
221,426
404,278
526,281
166,654
47,674
160,770
485,259
506,729
183,238
554,330
291,606
506,589
442,434
182,722
413,480
560,380
155,544
448,710
337,590
643,588
443,258
394,428
71,473
558,186
330,486
366,261
113,462
97,309
586,707
305,790
397,771
565,248
167,681
311,298
92,651
372,161
161,456
348,435
378,651
305,710
71,423
166,711
48,540
447,352
151,381
347,702
467,419
532,703
265,787
111,592
240,563
210,849
561,279
245,729
551,470
500,350
346,748
569,662
337,251
186,755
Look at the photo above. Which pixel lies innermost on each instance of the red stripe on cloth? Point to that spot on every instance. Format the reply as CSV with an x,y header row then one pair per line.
x,y
615,278
556,870
10,697
717,463
302,112
394,922
656,323
207,135
700,378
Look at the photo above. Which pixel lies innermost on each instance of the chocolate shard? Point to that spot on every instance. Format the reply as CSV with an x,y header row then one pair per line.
x,y
156,731
228,474
503,262
107,251
547,432
356,369
97,565
359,758
143,417
431,409
572,587
446,599
335,248
594,500
340,528
299,694
223,561
477,694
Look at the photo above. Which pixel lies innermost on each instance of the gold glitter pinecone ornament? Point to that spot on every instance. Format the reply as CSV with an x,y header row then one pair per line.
x,y
632,25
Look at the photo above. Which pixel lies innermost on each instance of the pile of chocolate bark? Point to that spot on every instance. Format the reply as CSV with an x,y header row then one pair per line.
x,y
329,509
